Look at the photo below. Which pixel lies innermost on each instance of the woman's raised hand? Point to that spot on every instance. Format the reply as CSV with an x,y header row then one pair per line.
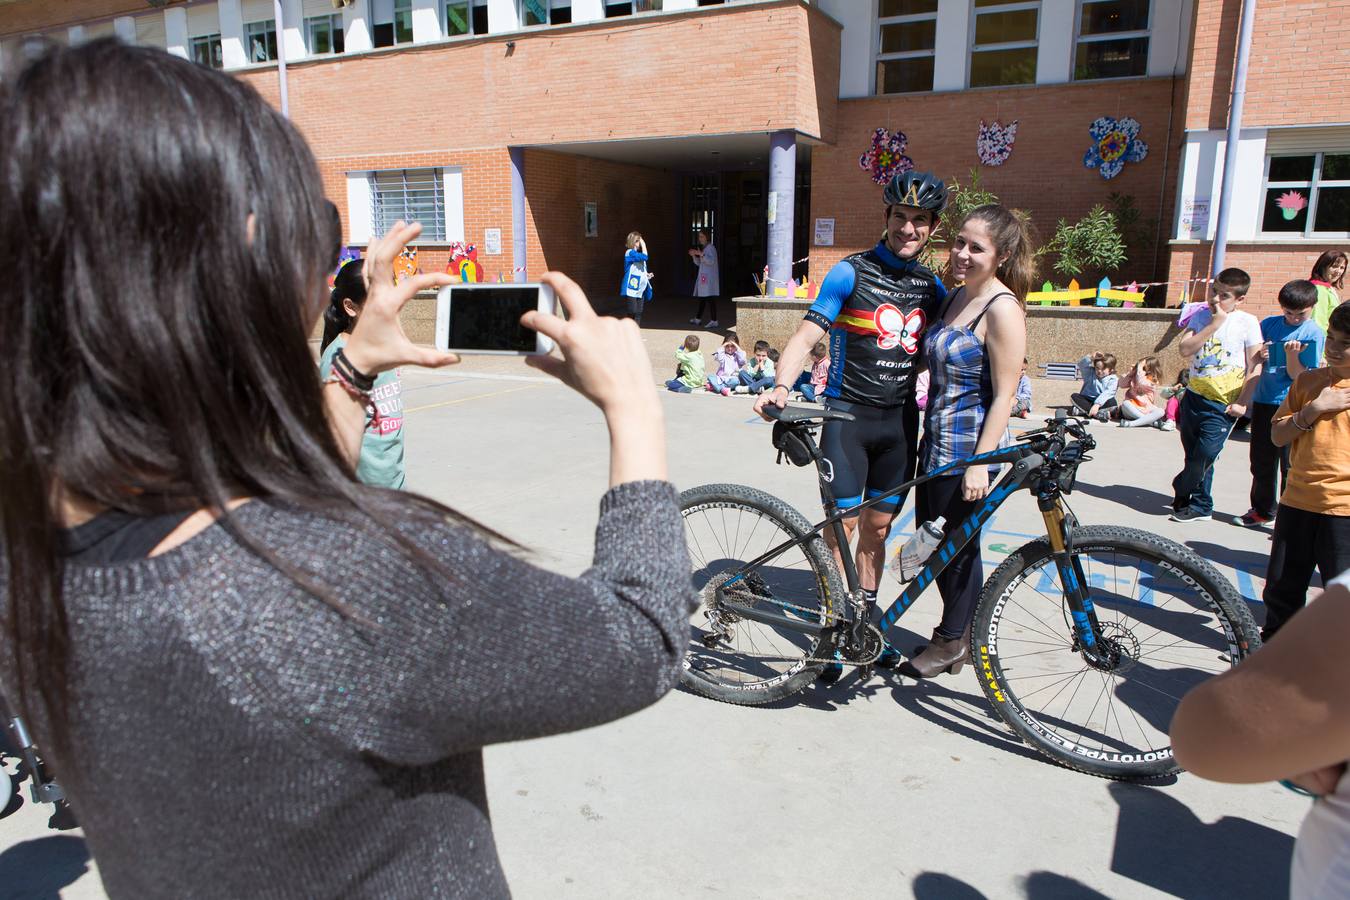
x,y
603,358
377,342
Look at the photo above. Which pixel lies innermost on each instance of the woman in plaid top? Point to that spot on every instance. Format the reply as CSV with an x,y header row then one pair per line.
x,y
974,352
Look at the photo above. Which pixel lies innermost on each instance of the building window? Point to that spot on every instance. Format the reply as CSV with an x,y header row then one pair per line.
x,y
261,40
411,195
613,9
396,27
1003,43
205,50
324,34
906,32
1307,195
1112,39
547,12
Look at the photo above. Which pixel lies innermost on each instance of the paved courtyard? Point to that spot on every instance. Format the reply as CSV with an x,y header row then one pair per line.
x,y
888,789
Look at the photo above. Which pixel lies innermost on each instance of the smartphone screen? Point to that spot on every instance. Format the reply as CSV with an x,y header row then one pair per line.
x,y
488,318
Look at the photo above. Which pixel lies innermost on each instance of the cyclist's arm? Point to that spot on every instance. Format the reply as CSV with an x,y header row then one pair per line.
x,y
1280,714
1006,338
834,290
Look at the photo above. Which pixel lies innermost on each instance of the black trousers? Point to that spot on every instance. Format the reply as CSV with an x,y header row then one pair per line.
x,y
1265,458
1303,541
635,305
1083,403
704,303
959,583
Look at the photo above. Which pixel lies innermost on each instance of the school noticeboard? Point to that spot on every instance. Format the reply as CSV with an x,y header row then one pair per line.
x,y
824,233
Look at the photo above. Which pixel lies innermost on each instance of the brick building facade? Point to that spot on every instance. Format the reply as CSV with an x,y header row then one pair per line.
x,y
658,115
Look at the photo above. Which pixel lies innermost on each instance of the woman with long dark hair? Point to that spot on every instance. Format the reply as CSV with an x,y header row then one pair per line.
x,y
974,352
381,460
255,675
1328,275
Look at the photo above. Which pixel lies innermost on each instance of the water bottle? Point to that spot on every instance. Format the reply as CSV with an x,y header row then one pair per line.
x,y
907,563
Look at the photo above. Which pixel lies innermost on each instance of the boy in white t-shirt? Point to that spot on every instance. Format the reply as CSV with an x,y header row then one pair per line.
x,y
1224,344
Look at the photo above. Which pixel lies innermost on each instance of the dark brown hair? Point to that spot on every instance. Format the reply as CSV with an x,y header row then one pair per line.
x,y
1236,280
1014,239
1323,265
1298,295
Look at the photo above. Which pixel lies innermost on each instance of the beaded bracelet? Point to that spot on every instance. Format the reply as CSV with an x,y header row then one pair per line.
x,y
340,378
354,375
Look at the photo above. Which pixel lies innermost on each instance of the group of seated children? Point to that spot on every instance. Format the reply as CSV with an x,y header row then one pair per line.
x,y
734,373
1147,400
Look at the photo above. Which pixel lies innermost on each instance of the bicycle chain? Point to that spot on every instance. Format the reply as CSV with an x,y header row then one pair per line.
x,y
877,639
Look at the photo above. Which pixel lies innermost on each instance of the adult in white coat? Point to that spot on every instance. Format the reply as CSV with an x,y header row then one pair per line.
x,y
708,282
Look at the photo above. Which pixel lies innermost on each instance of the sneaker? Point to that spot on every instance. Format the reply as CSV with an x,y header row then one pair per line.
x,y
726,392
693,320
1103,416
711,323
889,658
1253,519
1189,514
742,389
1167,425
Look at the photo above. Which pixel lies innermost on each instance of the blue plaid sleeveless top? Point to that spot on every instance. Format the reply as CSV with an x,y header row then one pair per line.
x,y
960,391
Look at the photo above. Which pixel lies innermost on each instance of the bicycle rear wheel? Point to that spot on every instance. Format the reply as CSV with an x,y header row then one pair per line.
x,y
1169,620
735,659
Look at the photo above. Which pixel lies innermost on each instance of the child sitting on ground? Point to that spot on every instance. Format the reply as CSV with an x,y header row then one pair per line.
x,y
757,376
729,360
1312,524
812,380
1222,342
1022,396
1141,406
1098,396
1173,395
688,368
1292,343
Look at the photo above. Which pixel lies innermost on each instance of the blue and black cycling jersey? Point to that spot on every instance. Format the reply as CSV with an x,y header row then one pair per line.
x,y
875,307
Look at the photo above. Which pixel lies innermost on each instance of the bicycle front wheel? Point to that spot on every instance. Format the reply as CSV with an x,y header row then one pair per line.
x,y
1168,621
738,659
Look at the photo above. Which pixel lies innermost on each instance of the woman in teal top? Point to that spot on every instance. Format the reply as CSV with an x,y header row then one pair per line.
x,y
381,462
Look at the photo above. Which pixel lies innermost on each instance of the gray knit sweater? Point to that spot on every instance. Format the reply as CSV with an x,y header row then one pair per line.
x,y
237,738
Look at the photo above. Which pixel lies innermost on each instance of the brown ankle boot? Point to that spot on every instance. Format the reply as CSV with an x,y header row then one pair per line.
x,y
942,655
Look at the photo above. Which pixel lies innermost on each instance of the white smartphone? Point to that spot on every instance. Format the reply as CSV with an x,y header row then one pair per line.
x,y
485,318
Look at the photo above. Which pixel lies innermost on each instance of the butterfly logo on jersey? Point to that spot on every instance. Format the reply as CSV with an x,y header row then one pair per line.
x,y
896,329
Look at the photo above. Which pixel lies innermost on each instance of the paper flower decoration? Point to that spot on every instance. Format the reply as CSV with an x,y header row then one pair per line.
x,y
1291,203
1114,143
995,142
464,263
886,158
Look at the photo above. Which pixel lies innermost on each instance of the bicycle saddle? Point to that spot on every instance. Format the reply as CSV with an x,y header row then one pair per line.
x,y
801,415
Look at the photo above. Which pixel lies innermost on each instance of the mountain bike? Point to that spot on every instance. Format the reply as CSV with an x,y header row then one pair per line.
x,y
1083,640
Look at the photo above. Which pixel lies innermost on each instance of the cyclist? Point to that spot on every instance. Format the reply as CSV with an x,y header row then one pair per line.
x,y
875,306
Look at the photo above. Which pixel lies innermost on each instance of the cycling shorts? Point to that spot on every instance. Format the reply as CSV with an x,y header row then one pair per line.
x,y
871,455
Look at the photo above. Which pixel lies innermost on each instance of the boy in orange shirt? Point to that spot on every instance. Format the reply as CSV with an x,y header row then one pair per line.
x,y
1312,526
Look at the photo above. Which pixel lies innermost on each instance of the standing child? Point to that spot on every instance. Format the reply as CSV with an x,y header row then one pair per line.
x,y
1141,405
1293,344
1312,526
688,368
1098,396
1328,275
637,280
1022,396
1223,343
812,381
729,360
381,461
757,376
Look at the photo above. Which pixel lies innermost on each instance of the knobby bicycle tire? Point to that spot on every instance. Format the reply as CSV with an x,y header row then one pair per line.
x,y
1133,625
824,579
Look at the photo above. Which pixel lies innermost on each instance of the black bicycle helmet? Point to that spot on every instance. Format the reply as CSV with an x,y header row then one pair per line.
x,y
921,189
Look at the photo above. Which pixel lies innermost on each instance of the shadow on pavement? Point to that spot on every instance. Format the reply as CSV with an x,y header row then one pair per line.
x,y
1139,499
1050,886
1162,844
937,886
968,715
40,868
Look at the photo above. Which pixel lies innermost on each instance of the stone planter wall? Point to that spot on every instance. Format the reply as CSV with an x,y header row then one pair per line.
x,y
1054,333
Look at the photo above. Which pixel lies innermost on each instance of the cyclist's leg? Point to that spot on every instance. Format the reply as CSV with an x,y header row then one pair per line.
x,y
889,443
848,465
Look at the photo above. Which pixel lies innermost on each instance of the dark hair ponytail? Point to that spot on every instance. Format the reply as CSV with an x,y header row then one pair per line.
x,y
1014,239
349,284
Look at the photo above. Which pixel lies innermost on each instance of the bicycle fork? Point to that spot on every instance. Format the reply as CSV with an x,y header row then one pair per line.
x,y
1059,529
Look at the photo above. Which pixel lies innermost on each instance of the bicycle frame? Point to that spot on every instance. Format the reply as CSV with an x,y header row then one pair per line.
x,y
1059,527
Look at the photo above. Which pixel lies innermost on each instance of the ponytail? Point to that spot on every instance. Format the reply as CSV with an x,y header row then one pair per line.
x,y
349,284
1014,238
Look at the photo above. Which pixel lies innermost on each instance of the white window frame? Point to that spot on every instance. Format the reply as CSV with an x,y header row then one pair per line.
x,y
1011,6
334,21
879,57
445,17
255,29
434,228
196,39
1080,38
1313,187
